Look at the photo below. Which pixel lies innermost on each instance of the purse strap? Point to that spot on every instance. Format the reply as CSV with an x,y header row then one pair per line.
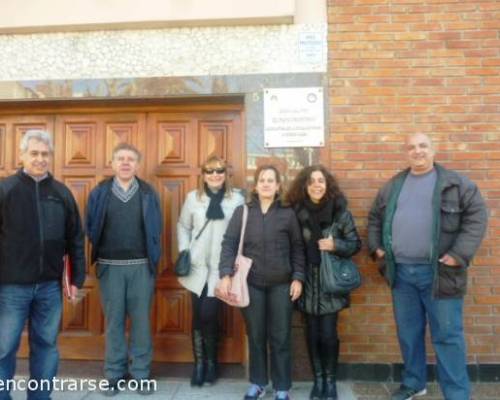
x,y
243,227
330,231
202,229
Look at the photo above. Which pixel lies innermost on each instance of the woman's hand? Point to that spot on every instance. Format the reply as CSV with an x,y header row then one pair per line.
x,y
295,289
379,253
225,286
327,244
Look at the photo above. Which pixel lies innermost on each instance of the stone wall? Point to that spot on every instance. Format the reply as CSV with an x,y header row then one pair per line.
x,y
202,51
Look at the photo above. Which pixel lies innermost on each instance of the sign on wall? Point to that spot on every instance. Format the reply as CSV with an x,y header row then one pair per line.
x,y
294,117
311,47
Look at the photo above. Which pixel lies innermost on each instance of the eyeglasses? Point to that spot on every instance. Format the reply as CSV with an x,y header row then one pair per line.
x,y
210,171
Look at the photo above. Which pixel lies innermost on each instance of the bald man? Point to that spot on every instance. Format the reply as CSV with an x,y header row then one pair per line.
x,y
424,227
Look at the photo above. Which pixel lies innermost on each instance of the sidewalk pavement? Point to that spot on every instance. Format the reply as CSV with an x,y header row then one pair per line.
x,y
233,389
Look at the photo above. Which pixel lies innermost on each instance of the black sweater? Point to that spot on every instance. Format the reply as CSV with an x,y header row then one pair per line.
x,y
273,241
39,223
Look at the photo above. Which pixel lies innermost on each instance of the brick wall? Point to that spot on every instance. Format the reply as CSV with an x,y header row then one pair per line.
x,y
403,66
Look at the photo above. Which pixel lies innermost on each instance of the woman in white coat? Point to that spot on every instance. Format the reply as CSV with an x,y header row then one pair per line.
x,y
201,227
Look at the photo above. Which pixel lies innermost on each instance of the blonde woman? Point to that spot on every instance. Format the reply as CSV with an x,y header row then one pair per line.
x,y
202,223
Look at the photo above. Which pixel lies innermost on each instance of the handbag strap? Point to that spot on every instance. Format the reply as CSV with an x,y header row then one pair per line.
x,y
202,229
330,231
243,227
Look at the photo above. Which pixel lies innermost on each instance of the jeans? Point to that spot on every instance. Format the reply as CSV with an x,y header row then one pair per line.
x,y
269,317
40,304
413,306
127,290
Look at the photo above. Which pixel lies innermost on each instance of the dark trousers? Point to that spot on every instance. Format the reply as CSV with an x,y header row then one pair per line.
x,y
321,332
205,313
268,318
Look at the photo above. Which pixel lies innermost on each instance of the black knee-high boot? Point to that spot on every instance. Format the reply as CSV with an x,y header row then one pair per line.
x,y
330,353
211,355
198,376
316,367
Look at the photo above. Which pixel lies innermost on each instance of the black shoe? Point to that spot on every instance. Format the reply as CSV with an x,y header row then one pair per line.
x,y
316,367
145,386
330,354
211,373
407,393
330,390
198,375
114,386
317,390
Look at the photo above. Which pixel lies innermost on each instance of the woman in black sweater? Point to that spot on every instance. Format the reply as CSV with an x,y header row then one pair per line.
x,y
319,205
274,243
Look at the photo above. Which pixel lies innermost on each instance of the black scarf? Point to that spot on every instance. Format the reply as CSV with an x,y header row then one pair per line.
x,y
319,217
214,210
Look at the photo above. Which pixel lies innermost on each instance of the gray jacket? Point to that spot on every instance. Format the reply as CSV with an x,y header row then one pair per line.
x,y
459,224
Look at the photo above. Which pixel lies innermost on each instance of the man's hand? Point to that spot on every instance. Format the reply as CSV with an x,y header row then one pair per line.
x,y
295,289
449,260
73,293
380,253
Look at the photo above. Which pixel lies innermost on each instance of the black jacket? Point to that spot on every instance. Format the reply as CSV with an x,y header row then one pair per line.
x,y
347,243
39,223
459,224
273,241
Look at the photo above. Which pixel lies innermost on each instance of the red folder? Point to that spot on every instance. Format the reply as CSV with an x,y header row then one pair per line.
x,y
66,278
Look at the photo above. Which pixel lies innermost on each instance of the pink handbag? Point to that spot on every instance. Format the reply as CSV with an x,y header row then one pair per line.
x,y
238,294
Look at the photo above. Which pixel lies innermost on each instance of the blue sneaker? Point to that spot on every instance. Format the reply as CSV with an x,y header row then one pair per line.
x,y
281,395
407,393
255,392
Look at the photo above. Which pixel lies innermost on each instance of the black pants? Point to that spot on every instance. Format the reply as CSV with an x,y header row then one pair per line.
x,y
269,318
322,330
205,313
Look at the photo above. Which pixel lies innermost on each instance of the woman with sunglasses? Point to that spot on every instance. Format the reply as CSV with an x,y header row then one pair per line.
x,y
202,223
319,203
274,243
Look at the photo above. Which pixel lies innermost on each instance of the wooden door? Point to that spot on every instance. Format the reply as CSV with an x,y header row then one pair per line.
x,y
181,142
174,142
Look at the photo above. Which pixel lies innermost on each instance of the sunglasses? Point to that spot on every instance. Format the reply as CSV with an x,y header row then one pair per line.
x,y
218,171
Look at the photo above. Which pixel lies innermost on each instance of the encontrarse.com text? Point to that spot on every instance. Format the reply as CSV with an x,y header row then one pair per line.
x,y
76,384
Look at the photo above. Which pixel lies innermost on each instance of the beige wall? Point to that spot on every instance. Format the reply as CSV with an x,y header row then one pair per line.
x,y
57,15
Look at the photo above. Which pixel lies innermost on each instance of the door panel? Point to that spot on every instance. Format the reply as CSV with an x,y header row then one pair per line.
x,y
174,143
11,131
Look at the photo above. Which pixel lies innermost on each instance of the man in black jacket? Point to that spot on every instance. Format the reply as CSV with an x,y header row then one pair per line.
x,y
425,226
39,223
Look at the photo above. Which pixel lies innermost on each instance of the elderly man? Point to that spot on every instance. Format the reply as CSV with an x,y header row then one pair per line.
x,y
425,226
124,226
39,224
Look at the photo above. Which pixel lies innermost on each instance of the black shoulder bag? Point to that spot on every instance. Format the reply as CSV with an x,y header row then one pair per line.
x,y
338,275
182,266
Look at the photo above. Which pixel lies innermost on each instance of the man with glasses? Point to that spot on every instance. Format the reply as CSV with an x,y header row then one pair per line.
x,y
124,226
39,224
